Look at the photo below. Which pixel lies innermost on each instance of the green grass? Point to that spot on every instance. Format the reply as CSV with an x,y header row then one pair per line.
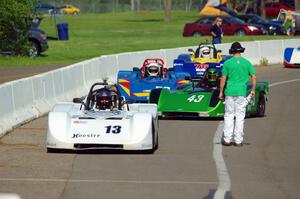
x,y
93,35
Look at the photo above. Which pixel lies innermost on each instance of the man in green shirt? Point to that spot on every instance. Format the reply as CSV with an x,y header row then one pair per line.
x,y
235,74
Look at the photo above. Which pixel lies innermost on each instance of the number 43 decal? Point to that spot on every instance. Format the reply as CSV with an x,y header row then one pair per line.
x,y
195,98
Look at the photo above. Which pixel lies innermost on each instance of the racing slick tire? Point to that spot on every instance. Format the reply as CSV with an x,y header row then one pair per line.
x,y
155,139
154,96
51,150
261,106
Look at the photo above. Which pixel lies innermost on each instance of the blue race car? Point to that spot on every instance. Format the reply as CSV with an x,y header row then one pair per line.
x,y
291,57
196,63
136,85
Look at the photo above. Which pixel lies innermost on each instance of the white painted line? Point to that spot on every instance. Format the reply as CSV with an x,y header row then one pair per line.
x,y
284,82
104,181
223,176
9,196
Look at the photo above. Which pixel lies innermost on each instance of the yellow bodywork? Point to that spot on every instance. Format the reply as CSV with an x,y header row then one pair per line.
x,y
207,10
203,60
69,9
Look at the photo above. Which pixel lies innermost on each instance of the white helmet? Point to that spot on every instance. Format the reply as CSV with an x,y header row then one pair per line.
x,y
153,70
205,52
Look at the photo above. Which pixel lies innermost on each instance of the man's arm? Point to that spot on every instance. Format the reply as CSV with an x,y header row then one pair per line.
x,y
222,85
253,80
212,31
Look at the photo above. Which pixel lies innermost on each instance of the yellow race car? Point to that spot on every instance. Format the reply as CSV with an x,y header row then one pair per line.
x,y
69,9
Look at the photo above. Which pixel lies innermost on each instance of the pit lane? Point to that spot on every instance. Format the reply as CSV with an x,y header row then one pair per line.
x,y
183,167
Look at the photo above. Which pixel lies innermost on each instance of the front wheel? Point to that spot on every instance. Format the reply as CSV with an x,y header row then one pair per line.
x,y
34,50
261,106
197,34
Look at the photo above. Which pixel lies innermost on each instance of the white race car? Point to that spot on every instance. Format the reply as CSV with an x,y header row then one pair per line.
x,y
103,120
291,57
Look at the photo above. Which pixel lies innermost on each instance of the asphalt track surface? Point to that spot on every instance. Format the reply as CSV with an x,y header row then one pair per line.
x,y
267,166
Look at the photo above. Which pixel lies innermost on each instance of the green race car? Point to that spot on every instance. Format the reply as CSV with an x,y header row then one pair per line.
x,y
196,100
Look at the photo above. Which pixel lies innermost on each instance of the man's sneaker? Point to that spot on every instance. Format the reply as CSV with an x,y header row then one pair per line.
x,y
226,143
238,145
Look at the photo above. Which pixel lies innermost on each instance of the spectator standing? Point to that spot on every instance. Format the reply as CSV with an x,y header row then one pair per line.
x,y
289,23
235,74
216,31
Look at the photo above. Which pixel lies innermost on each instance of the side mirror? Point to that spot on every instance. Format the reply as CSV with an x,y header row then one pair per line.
x,y
77,100
191,50
128,102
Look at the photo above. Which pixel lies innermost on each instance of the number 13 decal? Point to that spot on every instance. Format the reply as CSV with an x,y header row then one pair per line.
x,y
113,129
195,98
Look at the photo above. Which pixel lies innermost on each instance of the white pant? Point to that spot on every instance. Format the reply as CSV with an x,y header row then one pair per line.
x,y
234,129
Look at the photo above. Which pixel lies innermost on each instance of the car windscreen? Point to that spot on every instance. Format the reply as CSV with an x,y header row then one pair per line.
x,y
259,19
236,21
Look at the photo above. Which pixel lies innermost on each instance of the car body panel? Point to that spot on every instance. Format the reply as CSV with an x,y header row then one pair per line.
x,y
40,37
272,8
195,65
133,127
201,102
291,57
133,85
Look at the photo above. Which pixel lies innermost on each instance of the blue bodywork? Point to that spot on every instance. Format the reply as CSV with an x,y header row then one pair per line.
x,y
288,54
291,57
136,88
184,63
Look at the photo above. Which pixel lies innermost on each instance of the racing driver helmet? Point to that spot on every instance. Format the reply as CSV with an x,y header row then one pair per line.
x,y
205,52
212,76
153,70
103,99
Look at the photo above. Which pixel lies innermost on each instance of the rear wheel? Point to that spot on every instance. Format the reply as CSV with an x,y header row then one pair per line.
x,y
52,150
261,106
240,33
154,140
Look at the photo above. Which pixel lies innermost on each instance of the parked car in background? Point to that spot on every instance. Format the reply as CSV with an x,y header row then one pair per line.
x,y
272,8
272,27
44,8
38,40
69,9
230,26
36,37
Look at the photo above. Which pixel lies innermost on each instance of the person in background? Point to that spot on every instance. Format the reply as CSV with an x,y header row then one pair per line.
x,y
216,31
289,23
235,74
